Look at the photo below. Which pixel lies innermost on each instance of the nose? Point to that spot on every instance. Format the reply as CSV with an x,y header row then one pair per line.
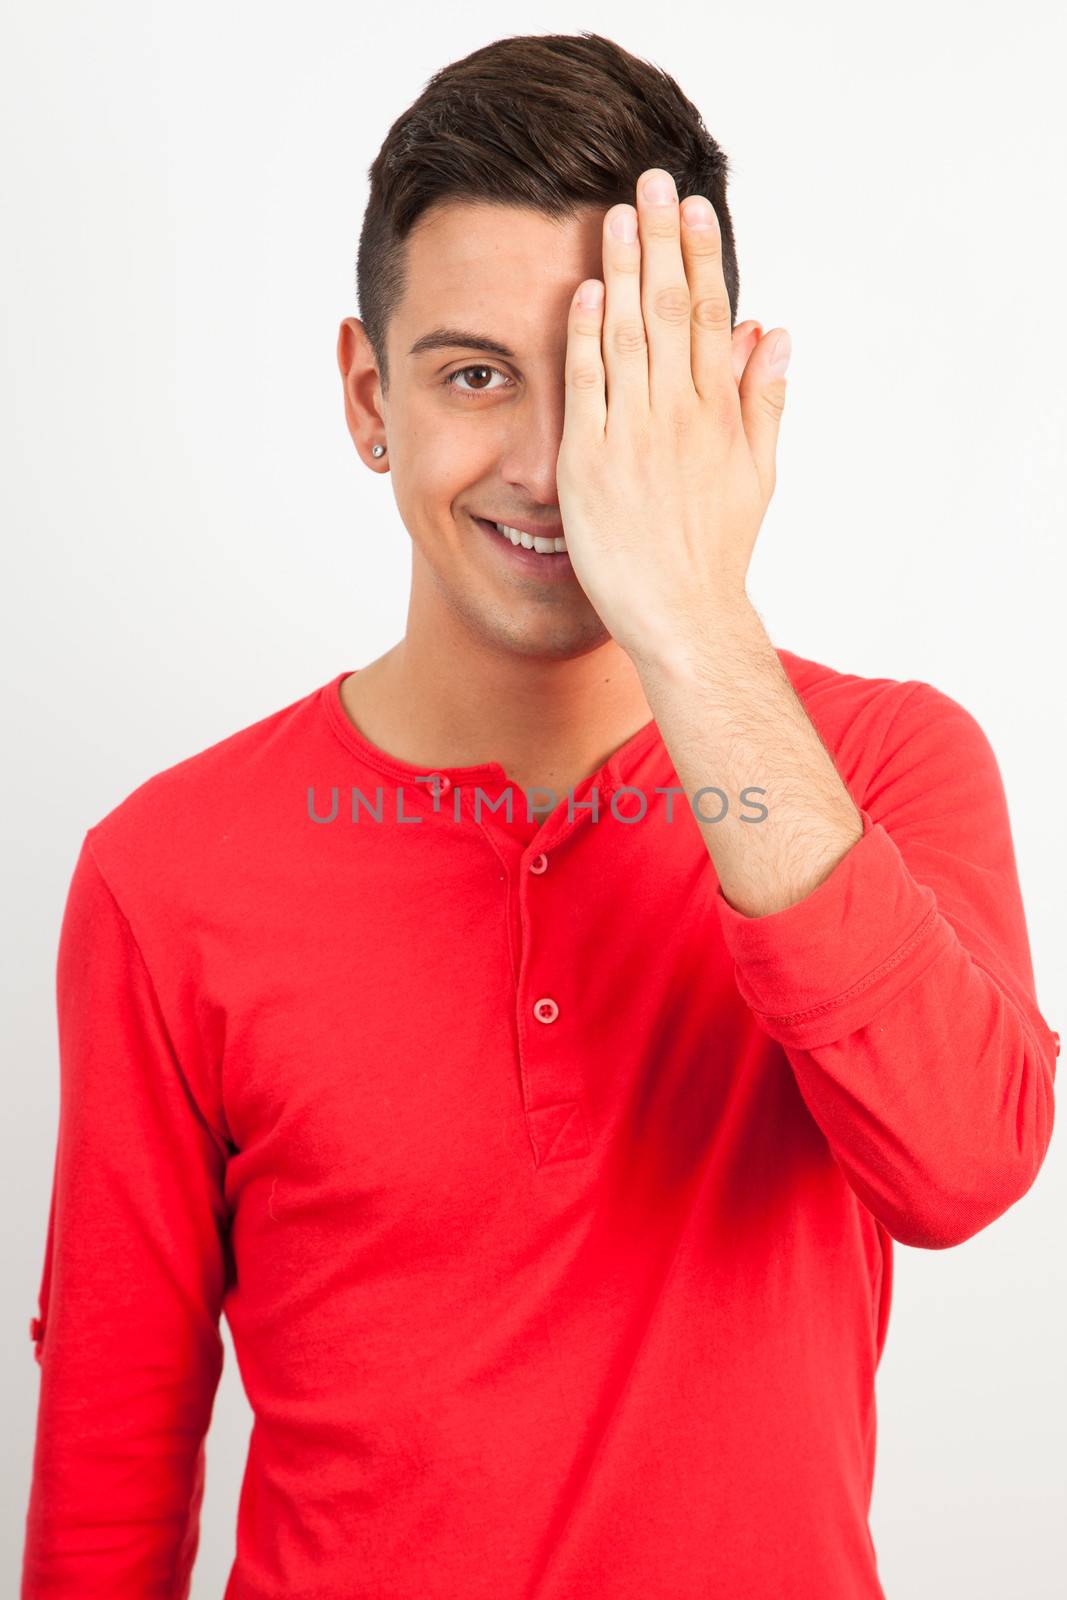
x,y
530,449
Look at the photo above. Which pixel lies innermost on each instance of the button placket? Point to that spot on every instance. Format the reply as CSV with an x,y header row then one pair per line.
x,y
551,1077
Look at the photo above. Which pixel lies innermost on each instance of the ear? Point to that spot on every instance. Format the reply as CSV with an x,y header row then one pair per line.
x,y
364,412
746,336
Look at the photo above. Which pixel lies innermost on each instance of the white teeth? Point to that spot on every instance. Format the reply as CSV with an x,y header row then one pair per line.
x,y
529,541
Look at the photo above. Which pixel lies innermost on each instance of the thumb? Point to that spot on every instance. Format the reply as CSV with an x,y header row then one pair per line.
x,y
762,395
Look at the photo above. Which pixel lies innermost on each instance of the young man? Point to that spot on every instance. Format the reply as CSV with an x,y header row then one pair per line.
x,y
546,1166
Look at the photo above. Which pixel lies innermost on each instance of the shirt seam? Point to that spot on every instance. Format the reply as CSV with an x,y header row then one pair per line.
x,y
857,988
507,898
905,700
382,762
187,1080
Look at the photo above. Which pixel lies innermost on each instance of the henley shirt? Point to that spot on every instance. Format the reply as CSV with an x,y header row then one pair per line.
x,y
550,1199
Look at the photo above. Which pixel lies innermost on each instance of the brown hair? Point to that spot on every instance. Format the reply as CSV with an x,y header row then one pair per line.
x,y
550,121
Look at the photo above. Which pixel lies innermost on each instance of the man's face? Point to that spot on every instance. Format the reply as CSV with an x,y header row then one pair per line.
x,y
483,445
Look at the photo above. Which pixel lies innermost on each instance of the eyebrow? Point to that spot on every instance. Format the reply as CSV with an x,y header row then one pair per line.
x,y
453,338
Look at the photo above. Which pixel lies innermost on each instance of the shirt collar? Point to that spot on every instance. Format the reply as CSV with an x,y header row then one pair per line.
x,y
612,774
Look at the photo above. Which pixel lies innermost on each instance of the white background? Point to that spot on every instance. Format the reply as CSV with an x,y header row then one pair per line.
x,y
190,541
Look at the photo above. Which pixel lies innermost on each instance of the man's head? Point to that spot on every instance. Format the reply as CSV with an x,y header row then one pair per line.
x,y
485,212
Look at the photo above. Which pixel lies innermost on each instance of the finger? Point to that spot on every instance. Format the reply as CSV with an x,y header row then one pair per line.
x,y
586,401
625,341
665,297
711,330
747,336
762,396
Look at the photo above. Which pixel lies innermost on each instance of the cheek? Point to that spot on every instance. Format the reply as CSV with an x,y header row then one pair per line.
x,y
445,466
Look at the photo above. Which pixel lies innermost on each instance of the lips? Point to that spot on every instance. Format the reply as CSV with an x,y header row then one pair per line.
x,y
524,558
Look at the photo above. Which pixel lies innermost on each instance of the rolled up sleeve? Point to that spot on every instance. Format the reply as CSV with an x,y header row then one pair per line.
x,y
901,988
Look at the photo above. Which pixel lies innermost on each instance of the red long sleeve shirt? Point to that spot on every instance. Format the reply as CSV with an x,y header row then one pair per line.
x,y
550,1199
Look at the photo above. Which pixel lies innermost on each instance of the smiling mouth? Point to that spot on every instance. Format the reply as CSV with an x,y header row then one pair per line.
x,y
541,544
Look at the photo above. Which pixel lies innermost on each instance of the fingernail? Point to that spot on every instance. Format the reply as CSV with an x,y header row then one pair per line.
x,y
697,213
624,224
591,294
659,188
783,349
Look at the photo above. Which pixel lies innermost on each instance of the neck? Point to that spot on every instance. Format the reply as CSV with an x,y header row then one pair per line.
x,y
440,698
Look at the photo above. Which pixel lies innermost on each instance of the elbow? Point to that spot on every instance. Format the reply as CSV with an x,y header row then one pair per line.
x,y
997,1169
949,1217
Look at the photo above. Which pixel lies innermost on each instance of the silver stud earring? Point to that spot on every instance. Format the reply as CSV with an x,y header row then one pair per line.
x,y
377,450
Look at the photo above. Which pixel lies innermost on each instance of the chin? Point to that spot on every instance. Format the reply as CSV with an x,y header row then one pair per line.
x,y
554,638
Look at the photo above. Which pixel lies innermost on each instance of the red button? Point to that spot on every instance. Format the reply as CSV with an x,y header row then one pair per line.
x,y
36,1328
546,1009
444,782
539,862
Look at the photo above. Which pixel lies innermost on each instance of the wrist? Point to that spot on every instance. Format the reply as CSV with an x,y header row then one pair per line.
x,y
693,654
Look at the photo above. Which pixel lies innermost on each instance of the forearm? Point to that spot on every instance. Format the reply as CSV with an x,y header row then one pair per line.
x,y
730,719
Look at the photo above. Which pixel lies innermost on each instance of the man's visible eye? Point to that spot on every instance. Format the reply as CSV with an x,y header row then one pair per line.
x,y
461,372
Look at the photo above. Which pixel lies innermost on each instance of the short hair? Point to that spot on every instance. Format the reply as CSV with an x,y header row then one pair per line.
x,y
555,122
